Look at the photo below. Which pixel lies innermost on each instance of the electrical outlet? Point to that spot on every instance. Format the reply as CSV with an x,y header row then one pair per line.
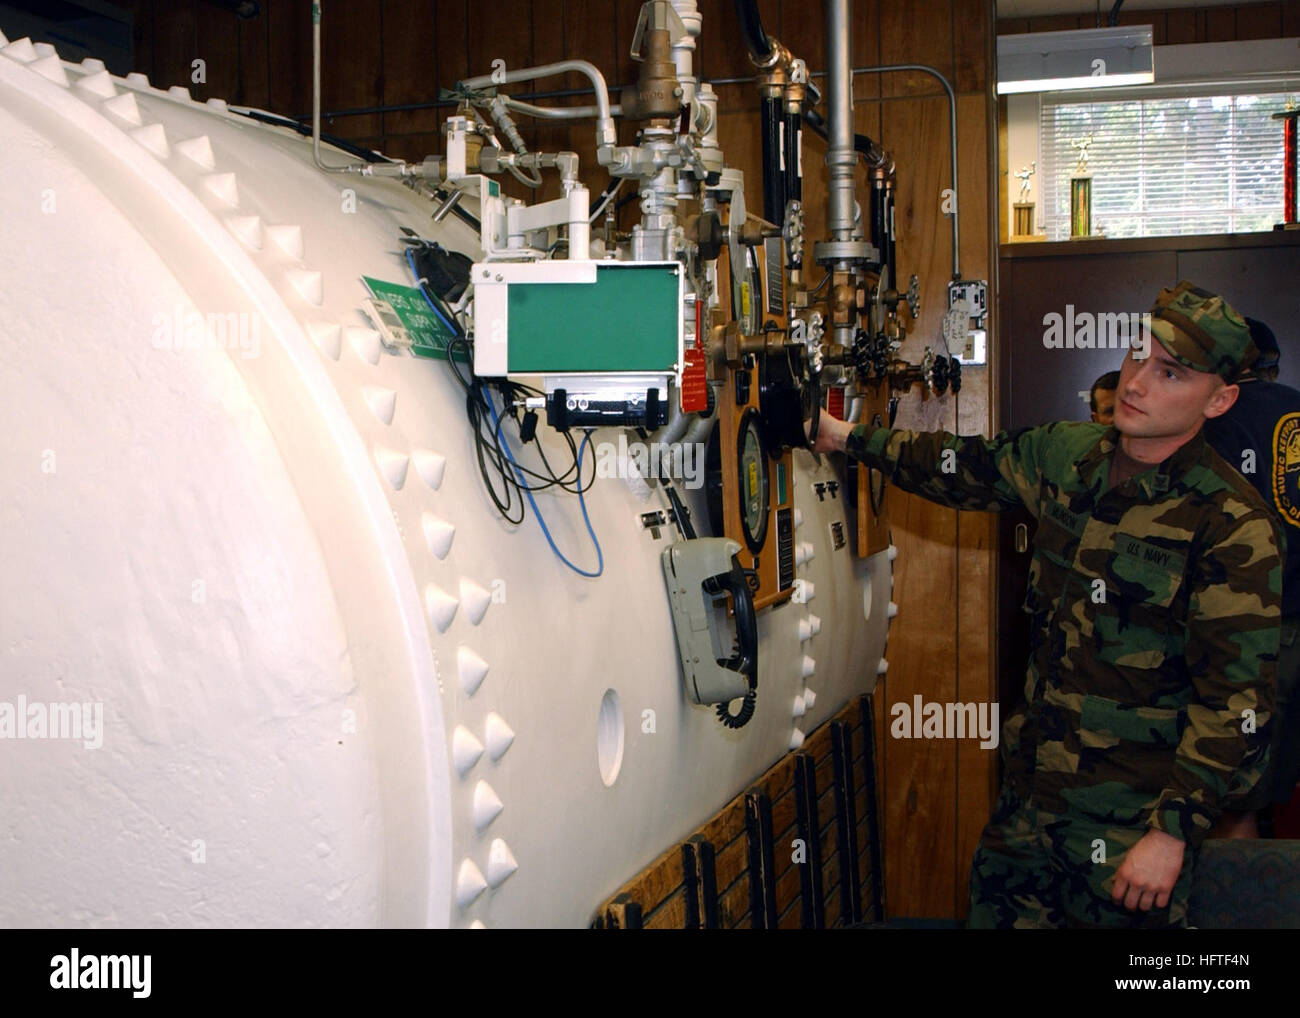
x,y
973,294
974,352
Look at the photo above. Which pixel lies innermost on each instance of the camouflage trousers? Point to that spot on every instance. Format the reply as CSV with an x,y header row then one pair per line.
x,y
1040,870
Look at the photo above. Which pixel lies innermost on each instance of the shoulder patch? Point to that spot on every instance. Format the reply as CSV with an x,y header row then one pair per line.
x,y
1286,468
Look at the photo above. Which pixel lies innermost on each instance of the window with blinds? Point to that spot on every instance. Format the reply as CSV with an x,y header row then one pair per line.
x,y
1164,166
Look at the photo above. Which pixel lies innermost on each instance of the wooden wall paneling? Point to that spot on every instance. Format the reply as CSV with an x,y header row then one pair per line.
x,y
738,135
725,55
451,52
411,69
870,818
977,768
862,808
351,69
976,224
625,13
970,44
1180,27
916,33
739,124
802,27
1290,19
1061,22
549,46
1156,19
451,39
174,43
812,900
1200,26
1044,384
142,35
254,85
671,914
1220,24
866,49
919,794
289,42
411,148
699,862
589,33
734,905
497,33
494,33
1259,21
916,132
217,34
1259,282
731,858
849,848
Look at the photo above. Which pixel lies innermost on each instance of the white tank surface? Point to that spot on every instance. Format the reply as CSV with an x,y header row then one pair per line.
x,y
336,689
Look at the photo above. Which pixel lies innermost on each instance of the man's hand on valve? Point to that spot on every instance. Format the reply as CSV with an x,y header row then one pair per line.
x,y
831,433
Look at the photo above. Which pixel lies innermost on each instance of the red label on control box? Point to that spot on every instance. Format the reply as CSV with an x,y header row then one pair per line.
x,y
695,375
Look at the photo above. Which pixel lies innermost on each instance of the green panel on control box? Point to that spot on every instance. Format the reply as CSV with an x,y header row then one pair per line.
x,y
429,334
628,320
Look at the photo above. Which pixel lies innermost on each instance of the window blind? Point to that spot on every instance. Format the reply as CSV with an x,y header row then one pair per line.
x,y
1165,165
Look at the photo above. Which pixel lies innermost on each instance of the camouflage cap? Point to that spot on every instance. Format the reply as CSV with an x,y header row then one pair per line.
x,y
1202,330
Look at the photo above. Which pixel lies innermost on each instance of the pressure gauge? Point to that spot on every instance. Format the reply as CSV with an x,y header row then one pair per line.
x,y
751,458
747,295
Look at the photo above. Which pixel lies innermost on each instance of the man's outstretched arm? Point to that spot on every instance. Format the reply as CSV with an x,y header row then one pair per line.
x,y
960,472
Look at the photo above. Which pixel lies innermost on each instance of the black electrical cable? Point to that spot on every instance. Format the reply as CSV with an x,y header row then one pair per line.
x,y
751,30
500,475
872,153
305,129
748,701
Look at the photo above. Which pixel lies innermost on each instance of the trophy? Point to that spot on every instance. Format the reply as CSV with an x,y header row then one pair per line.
x,y
1024,208
1081,192
1290,199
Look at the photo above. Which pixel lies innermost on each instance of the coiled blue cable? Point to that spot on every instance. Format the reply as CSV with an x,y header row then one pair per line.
x,y
523,484
419,283
582,501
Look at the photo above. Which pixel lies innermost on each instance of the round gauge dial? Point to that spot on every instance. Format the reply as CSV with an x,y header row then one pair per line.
x,y
754,480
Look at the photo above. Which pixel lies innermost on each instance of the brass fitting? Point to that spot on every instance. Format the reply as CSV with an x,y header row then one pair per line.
x,y
843,299
657,92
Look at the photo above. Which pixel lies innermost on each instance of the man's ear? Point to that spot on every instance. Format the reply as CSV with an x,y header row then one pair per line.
x,y
1221,402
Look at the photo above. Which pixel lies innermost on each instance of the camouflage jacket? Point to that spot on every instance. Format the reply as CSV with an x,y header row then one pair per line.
x,y
1154,610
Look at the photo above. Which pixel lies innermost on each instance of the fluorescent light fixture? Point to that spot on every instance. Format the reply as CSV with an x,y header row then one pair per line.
x,y
1080,58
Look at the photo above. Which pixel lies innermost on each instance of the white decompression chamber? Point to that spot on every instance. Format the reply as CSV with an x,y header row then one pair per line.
x,y
337,689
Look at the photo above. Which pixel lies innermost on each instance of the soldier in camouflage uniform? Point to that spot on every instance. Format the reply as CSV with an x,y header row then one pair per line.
x,y
1154,595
